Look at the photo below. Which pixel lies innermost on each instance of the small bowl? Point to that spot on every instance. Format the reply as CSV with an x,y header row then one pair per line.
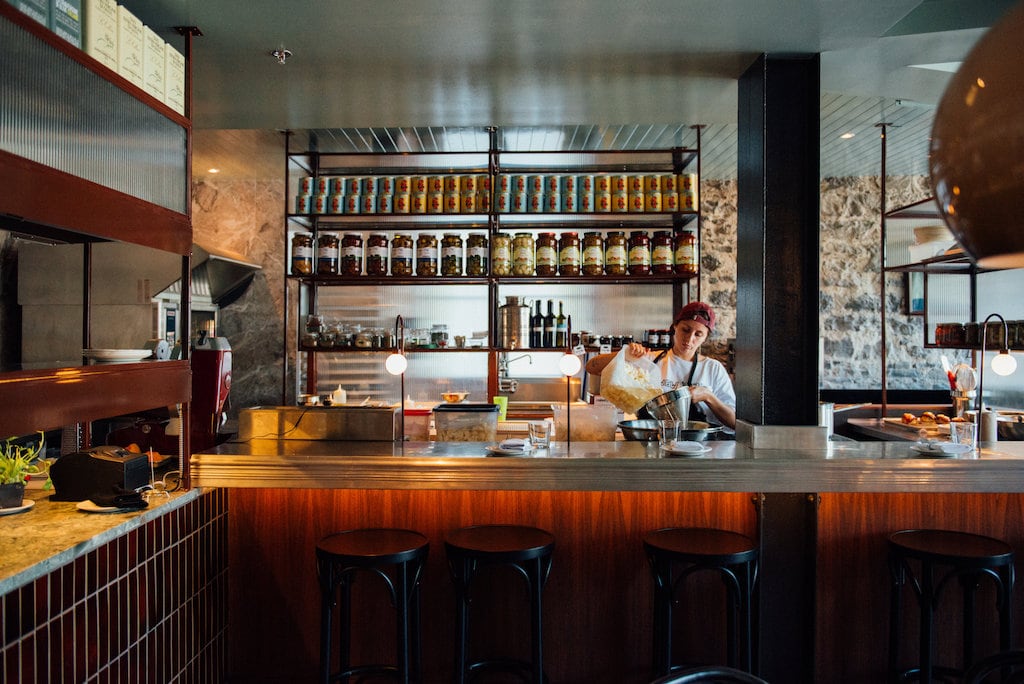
x,y
454,397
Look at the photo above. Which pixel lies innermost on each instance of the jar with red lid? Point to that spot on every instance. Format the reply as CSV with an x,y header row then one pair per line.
x,y
547,254
352,254
377,254
569,261
616,256
662,253
686,253
593,254
639,253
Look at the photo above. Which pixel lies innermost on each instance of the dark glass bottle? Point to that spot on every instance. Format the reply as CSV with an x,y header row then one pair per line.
x,y
536,327
549,326
561,328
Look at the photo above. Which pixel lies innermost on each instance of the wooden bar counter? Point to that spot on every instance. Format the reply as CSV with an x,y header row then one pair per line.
x,y
598,498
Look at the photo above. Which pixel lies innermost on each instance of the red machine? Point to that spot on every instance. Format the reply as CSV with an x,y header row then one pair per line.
x,y
211,382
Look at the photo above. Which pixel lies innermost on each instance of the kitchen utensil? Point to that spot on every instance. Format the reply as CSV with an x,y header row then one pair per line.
x,y
639,430
513,324
698,430
672,405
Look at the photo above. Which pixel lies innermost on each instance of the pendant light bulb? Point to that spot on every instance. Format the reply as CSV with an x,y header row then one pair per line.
x,y
396,364
569,364
1003,363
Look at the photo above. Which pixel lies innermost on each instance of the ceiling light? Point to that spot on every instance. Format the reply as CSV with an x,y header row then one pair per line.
x,y
847,136
282,54
948,67
213,170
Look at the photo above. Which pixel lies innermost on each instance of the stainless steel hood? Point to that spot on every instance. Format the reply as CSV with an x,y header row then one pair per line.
x,y
219,276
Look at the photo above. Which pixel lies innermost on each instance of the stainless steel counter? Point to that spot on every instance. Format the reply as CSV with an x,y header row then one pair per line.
x,y
845,466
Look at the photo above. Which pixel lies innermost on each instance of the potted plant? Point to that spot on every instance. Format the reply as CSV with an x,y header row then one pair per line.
x,y
18,464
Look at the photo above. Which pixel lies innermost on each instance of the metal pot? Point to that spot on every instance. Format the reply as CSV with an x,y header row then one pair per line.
x,y
673,405
647,430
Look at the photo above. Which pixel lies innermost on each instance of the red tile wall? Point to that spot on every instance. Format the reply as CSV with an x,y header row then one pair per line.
x,y
150,606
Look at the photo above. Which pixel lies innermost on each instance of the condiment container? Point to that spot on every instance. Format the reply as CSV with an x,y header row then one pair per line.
x,y
466,422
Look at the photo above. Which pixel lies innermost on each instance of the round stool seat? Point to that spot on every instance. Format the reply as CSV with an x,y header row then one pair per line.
x,y
703,545
500,543
371,547
961,549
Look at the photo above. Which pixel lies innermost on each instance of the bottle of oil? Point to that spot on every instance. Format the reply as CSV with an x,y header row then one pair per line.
x,y
549,327
561,328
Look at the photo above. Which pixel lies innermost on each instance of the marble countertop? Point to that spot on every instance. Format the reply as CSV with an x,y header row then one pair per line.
x,y
51,534
843,465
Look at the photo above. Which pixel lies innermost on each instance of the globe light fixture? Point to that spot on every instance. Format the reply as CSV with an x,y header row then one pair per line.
x,y
395,364
1003,364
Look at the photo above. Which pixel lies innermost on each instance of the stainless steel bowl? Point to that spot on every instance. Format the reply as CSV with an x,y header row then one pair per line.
x,y
672,405
647,430
698,430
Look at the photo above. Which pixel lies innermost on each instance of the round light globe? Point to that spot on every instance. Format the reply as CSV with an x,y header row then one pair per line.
x,y
570,364
396,364
1003,364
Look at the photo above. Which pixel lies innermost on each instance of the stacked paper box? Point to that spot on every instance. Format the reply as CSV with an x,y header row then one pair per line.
x,y
174,79
101,31
153,63
130,37
66,20
37,9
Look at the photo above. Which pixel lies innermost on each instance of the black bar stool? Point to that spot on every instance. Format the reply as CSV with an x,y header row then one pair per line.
x,y
961,556
697,549
526,549
339,558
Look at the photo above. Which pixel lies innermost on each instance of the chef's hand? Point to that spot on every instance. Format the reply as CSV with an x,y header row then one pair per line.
x,y
699,393
635,350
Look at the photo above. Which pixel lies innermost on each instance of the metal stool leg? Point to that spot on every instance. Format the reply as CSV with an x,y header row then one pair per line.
x,y
898,575
927,610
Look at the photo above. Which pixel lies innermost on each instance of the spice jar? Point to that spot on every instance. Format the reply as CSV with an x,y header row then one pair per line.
x,y
426,255
476,254
569,254
662,253
615,254
547,254
686,253
639,253
451,254
377,254
302,254
501,254
327,253
593,254
523,258
401,255
352,254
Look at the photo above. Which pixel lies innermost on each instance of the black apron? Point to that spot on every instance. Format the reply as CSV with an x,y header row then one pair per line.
x,y
696,412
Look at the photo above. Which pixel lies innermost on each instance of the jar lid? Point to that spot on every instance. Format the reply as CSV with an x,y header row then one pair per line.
x,y
454,235
383,235
355,235
569,234
526,235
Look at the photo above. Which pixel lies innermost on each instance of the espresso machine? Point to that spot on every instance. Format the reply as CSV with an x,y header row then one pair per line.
x,y
211,383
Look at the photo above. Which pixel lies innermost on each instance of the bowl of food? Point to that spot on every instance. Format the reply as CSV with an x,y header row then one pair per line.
x,y
454,397
639,430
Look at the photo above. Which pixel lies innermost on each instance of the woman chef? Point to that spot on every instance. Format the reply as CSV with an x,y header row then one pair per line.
x,y
712,398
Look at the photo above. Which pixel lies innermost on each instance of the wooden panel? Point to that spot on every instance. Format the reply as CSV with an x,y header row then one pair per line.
x,y
853,580
48,399
29,196
597,601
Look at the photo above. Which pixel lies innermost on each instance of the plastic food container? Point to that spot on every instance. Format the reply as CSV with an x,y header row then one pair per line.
x,y
590,422
466,422
417,424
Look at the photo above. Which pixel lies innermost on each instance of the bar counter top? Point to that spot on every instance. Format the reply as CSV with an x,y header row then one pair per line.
x,y
844,466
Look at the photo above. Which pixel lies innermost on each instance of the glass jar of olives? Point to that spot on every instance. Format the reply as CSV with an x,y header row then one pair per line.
x,y
476,254
426,255
451,254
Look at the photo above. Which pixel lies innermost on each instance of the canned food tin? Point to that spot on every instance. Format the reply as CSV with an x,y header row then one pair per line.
x,y
353,203
636,183
552,183
570,202
585,205
369,204
320,204
503,183
483,202
337,204
435,184
519,203
687,181
384,203
403,185
567,184
435,203
687,200
370,185
483,182
502,202
517,183
469,203
353,185
452,202
602,183
417,185
637,202
552,202
303,203
386,185
652,201
401,203
307,185
467,185
603,202
620,202
620,183
669,201
652,183
535,184
669,183
535,202
451,184
585,183
322,185
418,203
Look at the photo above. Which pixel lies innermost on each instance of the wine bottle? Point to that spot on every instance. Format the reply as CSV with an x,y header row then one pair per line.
x,y
536,327
549,326
561,328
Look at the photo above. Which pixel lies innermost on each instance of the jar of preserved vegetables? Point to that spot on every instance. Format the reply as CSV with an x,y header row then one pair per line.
x,y
377,254
401,255
615,253
593,254
426,255
569,254
547,254
327,254
523,257
451,254
302,254
686,253
662,253
639,253
352,254
477,254
501,254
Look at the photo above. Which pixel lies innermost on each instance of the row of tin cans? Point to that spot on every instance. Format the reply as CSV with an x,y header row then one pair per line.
x,y
395,185
399,203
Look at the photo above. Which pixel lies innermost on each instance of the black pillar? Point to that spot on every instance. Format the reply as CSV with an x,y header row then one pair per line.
x,y
777,242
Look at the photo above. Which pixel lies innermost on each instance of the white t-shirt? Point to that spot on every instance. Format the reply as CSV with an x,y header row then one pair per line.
x,y
675,373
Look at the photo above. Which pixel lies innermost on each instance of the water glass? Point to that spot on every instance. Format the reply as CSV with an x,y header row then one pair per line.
x,y
668,432
540,434
964,433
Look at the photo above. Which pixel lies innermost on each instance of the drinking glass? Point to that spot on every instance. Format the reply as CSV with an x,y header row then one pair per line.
x,y
668,432
964,433
540,434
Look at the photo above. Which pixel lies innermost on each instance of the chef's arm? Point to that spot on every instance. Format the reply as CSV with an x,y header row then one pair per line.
x,y
725,413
